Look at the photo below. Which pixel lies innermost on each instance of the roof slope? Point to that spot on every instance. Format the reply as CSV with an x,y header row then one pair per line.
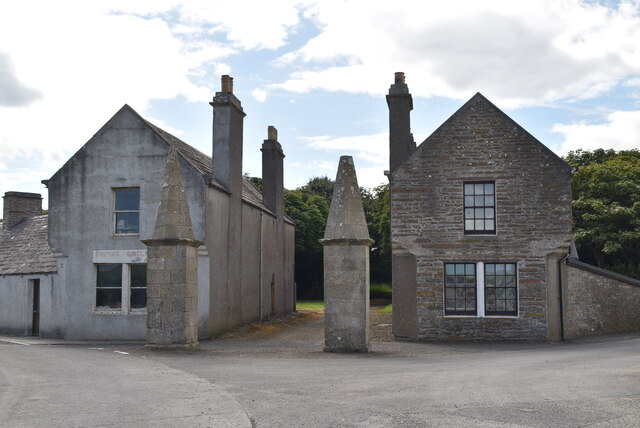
x,y
24,249
202,163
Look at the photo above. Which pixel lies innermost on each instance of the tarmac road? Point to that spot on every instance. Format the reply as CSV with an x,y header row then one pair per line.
x,y
285,380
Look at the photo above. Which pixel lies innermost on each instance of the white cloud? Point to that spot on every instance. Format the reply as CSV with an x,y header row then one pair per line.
x,y
75,63
370,153
372,148
620,131
517,53
259,94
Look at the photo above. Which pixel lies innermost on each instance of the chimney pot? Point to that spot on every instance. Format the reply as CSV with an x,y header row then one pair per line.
x,y
399,77
272,133
227,84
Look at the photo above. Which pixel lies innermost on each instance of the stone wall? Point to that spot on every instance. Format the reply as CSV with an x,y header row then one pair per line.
x,y
533,213
598,302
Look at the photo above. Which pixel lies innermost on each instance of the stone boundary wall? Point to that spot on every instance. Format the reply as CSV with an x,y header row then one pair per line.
x,y
599,302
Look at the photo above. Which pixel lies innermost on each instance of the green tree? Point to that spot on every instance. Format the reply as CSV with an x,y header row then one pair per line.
x,y
321,186
310,211
377,212
606,208
580,158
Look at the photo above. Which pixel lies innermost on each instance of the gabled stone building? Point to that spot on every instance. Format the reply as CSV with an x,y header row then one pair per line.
x,y
104,201
481,235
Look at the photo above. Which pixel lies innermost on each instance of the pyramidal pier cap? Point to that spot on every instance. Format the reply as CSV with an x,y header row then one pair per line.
x,y
346,219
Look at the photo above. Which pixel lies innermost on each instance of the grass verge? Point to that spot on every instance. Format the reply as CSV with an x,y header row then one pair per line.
x,y
310,305
385,310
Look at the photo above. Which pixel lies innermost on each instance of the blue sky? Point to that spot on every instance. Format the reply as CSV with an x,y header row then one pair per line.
x,y
566,70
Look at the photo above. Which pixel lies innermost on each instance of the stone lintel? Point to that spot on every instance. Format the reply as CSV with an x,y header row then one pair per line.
x,y
346,241
172,242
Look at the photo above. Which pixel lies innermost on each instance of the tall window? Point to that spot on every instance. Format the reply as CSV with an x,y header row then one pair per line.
x,y
460,289
109,287
500,287
127,211
121,288
479,208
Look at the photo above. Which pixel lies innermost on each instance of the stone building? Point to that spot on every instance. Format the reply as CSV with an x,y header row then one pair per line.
x,y
481,235
91,274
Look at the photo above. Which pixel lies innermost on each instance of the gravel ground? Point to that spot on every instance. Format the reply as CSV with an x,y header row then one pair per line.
x,y
380,325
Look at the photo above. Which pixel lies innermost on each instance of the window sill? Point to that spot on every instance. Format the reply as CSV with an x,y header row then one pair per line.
x,y
490,317
124,235
120,313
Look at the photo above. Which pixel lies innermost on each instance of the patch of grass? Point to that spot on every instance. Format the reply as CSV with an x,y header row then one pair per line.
x,y
385,310
380,289
310,305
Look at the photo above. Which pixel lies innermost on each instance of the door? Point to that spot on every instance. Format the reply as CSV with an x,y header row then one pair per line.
x,y
35,322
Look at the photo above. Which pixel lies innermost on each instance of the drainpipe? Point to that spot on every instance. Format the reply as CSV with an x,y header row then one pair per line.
x,y
560,295
260,263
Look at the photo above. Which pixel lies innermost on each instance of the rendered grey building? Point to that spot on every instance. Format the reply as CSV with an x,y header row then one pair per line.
x,y
481,235
103,202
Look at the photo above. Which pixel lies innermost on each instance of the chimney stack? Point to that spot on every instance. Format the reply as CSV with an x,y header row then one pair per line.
x,y
18,206
272,173
228,118
400,103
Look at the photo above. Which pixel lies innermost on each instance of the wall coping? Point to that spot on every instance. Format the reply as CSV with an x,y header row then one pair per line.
x,y
571,261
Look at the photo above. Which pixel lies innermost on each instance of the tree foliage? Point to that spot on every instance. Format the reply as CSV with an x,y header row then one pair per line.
x,y
377,210
308,206
606,208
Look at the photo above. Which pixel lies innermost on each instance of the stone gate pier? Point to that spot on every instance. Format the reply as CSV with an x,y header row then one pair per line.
x,y
172,268
346,266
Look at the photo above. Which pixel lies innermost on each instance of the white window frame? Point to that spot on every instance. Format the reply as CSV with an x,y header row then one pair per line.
x,y
125,296
480,301
114,212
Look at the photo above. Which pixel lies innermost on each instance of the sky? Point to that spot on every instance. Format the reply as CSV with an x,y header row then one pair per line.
x,y
568,71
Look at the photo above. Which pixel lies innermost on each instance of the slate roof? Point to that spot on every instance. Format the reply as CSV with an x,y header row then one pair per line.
x,y
202,163
24,249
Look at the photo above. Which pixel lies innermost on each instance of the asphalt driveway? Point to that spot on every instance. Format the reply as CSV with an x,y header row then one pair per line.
x,y
284,379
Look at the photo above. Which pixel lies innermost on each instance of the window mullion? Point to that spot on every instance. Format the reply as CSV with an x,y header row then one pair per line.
x,y
126,283
480,289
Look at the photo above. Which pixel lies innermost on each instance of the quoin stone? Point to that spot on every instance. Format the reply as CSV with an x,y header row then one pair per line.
x,y
346,266
172,268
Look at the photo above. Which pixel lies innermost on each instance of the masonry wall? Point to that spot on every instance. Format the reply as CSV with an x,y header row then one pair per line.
x,y
533,210
596,304
289,297
265,259
81,219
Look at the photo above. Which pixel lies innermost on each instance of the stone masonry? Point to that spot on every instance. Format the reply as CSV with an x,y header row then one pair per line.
x,y
20,205
346,266
598,302
479,143
172,269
